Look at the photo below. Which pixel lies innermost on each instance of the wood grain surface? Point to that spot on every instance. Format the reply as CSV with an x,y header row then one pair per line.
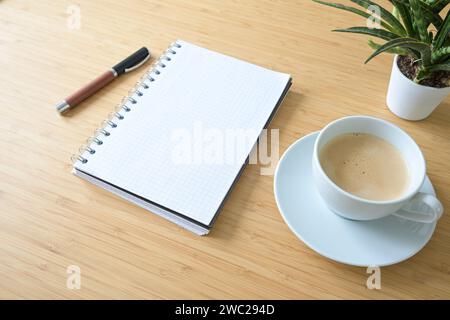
x,y
49,219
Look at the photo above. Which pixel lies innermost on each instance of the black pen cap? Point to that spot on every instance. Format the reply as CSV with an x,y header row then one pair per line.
x,y
132,62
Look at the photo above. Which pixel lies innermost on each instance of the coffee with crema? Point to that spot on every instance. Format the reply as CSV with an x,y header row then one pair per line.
x,y
366,166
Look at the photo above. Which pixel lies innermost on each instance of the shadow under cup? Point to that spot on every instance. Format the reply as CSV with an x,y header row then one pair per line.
x,y
349,205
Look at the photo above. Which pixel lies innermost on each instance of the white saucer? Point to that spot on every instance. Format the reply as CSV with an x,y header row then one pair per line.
x,y
361,243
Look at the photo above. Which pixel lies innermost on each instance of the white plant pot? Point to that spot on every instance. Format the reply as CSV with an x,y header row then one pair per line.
x,y
409,100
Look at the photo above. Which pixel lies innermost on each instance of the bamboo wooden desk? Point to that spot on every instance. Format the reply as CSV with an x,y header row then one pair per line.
x,y
50,219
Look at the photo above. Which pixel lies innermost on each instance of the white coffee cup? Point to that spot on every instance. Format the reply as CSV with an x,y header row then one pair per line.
x,y
353,207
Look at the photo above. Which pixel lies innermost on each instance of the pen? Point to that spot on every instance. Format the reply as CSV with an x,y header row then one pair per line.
x,y
129,64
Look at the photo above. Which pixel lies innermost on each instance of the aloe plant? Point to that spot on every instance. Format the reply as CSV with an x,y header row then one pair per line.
x,y
413,27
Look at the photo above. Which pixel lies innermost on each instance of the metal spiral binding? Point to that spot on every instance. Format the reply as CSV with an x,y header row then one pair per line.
x,y
118,114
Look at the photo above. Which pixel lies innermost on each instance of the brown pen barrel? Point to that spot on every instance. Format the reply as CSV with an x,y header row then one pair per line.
x,y
90,88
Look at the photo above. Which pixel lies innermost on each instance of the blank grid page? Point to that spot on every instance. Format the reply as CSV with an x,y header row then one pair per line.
x,y
158,151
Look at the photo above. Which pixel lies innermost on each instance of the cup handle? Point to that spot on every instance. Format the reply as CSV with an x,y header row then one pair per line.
x,y
420,216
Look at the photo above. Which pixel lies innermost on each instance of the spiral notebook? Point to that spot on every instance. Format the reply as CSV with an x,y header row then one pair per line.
x,y
159,148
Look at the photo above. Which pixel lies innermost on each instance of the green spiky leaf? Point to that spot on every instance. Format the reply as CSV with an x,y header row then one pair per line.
x,y
385,15
440,55
430,15
442,33
399,51
439,67
419,20
354,10
410,43
405,15
427,13
438,5
379,33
